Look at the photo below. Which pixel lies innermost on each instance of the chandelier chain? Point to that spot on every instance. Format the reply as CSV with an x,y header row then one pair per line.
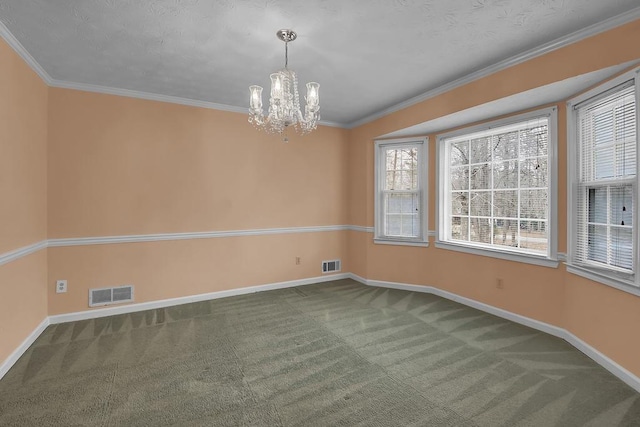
x,y
286,54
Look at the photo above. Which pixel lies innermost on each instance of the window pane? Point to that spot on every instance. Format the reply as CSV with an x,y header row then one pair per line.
x,y
459,178
481,177
459,153
505,204
410,225
534,140
401,215
393,203
604,162
533,235
393,225
598,205
505,146
597,243
480,230
480,152
460,203
480,204
603,127
621,205
533,173
460,228
505,174
626,158
533,204
401,169
622,247
505,232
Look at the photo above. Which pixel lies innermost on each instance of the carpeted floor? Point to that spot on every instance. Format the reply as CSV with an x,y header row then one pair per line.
x,y
337,353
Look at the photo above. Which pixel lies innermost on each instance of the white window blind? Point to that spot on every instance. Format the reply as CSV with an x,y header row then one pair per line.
x,y
496,191
606,193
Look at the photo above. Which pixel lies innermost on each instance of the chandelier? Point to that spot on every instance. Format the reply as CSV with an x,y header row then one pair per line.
x,y
284,102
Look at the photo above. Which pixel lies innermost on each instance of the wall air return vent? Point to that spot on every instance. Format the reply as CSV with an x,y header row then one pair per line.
x,y
107,296
330,266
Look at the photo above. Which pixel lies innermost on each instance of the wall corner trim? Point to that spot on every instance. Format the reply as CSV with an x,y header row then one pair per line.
x,y
18,352
622,373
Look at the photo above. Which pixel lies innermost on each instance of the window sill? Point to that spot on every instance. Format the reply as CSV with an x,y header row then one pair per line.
x,y
509,256
419,243
604,278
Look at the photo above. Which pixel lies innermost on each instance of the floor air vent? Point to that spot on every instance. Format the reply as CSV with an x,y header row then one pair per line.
x,y
330,266
107,296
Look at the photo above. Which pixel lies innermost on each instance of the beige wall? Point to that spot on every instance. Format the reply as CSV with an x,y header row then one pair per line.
x,y
171,269
601,316
122,166
23,199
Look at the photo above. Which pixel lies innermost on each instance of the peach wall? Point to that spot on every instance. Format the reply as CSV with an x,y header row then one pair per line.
x,y
122,166
23,144
23,200
171,269
595,313
23,300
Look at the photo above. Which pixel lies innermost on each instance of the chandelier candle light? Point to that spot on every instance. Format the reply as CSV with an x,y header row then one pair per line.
x,y
284,103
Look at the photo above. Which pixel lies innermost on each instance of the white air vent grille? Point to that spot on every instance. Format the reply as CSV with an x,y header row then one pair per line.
x,y
106,296
330,266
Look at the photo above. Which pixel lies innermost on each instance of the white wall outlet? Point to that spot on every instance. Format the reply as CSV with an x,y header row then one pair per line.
x,y
61,286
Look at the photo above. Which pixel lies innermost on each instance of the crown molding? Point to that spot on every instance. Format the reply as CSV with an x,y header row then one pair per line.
x,y
24,54
556,44
561,42
129,93
146,96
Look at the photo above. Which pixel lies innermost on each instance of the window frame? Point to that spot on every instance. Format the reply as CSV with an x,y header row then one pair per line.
x,y
609,276
548,260
422,145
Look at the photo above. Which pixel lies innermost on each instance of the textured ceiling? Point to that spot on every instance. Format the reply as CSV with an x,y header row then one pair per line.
x,y
368,55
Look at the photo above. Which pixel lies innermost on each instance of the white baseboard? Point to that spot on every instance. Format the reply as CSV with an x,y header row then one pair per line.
x,y
623,374
18,352
132,308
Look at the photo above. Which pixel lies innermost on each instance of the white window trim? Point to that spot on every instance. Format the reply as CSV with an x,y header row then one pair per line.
x,y
423,186
604,276
550,260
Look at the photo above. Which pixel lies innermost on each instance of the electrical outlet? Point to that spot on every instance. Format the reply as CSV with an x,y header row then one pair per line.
x,y
298,260
61,286
499,284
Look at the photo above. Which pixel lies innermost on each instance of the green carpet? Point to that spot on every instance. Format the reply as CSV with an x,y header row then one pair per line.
x,y
337,353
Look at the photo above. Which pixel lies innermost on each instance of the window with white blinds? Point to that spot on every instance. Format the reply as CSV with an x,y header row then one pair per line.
x,y
401,182
606,178
495,186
